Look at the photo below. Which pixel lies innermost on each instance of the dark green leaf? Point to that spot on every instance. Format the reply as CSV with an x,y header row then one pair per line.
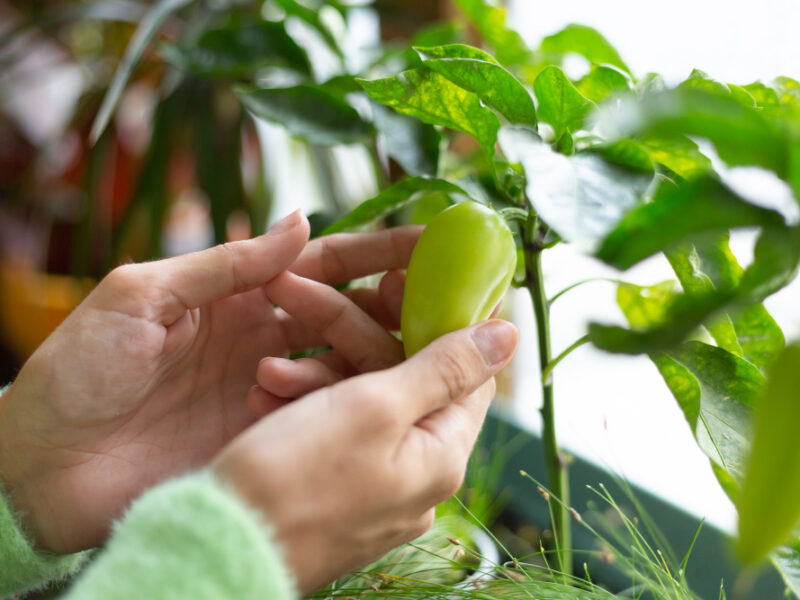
x,y
307,112
412,143
769,504
490,21
603,81
560,103
676,213
148,27
478,72
430,97
239,50
587,42
582,197
392,199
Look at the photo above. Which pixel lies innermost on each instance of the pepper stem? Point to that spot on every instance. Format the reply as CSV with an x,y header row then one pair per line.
x,y
556,465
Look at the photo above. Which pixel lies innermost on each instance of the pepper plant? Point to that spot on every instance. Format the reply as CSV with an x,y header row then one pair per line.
x,y
618,163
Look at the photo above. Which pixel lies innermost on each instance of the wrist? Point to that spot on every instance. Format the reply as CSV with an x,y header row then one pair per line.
x,y
16,478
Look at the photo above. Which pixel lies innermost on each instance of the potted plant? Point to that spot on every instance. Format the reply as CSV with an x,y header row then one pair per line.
x,y
606,161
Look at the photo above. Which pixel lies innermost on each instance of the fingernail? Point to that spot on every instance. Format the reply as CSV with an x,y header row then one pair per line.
x,y
496,340
285,224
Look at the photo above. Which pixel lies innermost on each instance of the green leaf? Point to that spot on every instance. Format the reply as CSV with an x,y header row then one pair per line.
x,y
645,306
769,504
392,199
432,98
709,265
683,315
676,213
740,135
587,42
716,391
582,197
775,264
626,153
478,72
148,27
603,81
787,560
490,21
307,112
560,103
678,153
239,50
412,143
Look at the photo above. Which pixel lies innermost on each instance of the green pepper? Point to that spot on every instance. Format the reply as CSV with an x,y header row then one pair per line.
x,y
459,270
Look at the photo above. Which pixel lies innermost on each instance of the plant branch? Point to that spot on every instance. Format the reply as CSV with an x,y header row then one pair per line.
x,y
556,465
547,372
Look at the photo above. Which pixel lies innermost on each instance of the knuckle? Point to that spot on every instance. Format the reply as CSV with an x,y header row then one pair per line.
x,y
454,373
334,267
124,277
230,253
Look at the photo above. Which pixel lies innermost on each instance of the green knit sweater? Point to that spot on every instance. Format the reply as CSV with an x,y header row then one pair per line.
x,y
188,538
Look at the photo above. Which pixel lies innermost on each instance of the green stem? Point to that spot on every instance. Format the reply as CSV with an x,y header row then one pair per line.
x,y
547,372
582,282
556,465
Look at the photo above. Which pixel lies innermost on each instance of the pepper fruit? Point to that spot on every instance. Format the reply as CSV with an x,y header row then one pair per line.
x,y
459,270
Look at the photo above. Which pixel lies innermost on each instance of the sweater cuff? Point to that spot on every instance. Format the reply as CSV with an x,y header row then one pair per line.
x,y
22,567
188,538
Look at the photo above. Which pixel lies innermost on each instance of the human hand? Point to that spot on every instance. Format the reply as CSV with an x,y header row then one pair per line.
x,y
355,469
148,377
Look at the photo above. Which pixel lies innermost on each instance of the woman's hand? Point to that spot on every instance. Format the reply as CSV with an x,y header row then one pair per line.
x,y
355,469
148,377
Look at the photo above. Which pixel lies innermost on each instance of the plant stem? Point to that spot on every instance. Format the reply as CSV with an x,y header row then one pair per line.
x,y
556,466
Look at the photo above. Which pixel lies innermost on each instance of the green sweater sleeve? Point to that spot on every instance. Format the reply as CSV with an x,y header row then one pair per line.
x,y
188,539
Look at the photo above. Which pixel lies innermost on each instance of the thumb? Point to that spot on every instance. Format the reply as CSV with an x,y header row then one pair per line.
x,y
453,366
199,278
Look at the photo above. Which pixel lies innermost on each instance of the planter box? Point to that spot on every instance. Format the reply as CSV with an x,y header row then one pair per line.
x,y
710,562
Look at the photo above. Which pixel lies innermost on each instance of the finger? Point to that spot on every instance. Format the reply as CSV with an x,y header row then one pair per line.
x,y
355,335
261,402
452,367
294,378
391,289
382,304
172,286
342,257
